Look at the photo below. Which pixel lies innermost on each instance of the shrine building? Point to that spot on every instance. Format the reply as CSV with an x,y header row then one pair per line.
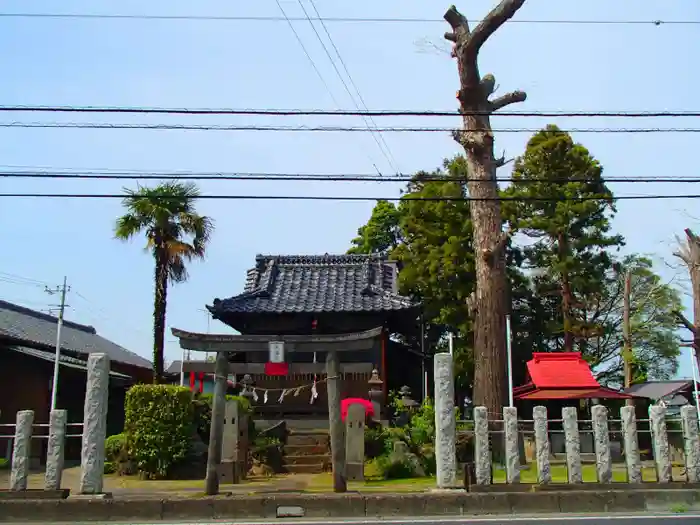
x,y
304,306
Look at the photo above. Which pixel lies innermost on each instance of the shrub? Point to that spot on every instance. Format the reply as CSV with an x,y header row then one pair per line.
x,y
268,451
4,464
115,448
375,438
110,467
159,424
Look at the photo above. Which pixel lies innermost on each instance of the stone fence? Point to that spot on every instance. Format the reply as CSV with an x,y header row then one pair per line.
x,y
94,430
446,434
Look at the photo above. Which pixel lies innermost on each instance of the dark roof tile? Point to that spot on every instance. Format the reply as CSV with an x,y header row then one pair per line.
x,y
36,328
318,283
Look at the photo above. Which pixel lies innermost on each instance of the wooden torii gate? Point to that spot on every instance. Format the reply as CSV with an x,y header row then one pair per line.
x,y
224,344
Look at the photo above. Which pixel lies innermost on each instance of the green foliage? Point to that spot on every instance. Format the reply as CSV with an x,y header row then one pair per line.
x,y
159,425
110,467
268,451
389,468
175,234
655,342
381,234
569,227
4,464
115,447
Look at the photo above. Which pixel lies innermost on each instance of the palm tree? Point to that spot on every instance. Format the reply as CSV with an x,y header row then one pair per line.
x,y
175,234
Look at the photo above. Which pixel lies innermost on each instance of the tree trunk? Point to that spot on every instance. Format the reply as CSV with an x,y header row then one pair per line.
x,y
691,257
566,296
159,306
489,302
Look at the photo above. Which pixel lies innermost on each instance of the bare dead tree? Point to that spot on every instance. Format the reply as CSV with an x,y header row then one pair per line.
x,y
689,252
476,137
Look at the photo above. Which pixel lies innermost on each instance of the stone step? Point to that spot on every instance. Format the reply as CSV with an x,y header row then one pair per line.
x,y
308,459
313,468
307,439
305,450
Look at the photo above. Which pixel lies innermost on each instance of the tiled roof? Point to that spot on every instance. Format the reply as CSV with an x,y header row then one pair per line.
x,y
560,370
656,390
23,325
318,283
68,361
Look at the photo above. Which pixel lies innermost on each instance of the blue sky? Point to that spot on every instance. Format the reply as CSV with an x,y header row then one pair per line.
x,y
261,65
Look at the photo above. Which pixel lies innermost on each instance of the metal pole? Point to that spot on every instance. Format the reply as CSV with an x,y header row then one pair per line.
x,y
696,372
509,351
182,369
56,364
422,352
450,345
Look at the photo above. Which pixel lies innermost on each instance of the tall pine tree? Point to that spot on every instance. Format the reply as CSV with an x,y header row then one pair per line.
x,y
564,207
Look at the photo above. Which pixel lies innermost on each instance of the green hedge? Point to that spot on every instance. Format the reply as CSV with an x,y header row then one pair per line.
x,y
159,424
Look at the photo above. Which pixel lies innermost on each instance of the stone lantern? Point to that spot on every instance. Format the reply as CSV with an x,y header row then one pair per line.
x,y
247,390
376,393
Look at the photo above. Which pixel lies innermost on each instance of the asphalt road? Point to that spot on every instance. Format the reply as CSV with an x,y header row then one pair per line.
x,y
588,519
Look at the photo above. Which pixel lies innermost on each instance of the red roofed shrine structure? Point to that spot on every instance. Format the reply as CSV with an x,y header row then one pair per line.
x,y
561,376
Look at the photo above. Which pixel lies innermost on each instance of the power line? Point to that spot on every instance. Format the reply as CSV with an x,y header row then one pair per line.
x,y
378,138
338,112
322,177
395,129
353,198
331,19
318,72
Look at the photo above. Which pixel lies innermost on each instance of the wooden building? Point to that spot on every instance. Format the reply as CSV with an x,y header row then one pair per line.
x,y
27,356
317,297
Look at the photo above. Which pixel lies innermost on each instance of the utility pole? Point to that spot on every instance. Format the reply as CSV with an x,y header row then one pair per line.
x,y
627,353
61,309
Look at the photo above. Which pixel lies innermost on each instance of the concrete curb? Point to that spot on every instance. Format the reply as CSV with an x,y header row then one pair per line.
x,y
351,505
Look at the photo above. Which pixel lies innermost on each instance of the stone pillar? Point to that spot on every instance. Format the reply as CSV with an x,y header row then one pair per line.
x,y
21,450
628,421
445,422
544,470
691,442
376,394
601,441
355,442
482,449
229,470
218,413
510,427
92,457
56,449
335,421
659,436
572,441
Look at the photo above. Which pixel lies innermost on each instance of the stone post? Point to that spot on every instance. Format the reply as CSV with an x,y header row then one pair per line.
x,y
482,449
92,456
218,414
376,394
510,427
229,470
56,449
628,421
445,422
659,436
572,441
335,421
691,442
21,450
355,442
601,441
544,470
